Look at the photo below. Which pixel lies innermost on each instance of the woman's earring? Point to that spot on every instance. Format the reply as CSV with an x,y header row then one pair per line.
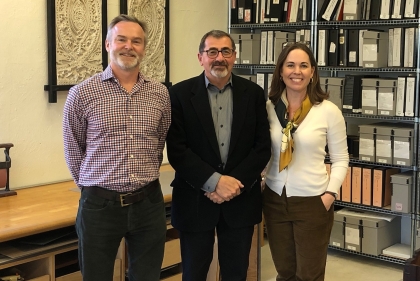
x,y
312,80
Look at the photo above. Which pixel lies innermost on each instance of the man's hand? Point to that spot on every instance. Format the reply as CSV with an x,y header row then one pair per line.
x,y
213,196
228,187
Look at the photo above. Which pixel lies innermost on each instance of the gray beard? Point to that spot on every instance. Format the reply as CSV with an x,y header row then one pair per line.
x,y
219,74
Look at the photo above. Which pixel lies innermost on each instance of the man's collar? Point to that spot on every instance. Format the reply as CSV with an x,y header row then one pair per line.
x,y
207,81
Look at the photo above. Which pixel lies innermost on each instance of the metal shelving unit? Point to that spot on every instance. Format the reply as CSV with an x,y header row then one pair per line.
x,y
314,25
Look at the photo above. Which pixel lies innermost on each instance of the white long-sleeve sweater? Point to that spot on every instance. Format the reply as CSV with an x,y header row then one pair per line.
x,y
306,174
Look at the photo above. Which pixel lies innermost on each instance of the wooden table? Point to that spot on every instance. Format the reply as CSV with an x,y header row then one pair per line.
x,y
49,207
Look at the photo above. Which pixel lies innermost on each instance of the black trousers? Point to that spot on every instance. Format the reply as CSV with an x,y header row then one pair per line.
x,y
234,245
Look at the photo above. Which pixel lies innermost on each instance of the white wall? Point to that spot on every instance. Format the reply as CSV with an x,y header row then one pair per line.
x,y
27,119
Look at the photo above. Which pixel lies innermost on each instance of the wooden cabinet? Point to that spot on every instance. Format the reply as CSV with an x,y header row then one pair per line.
x,y
58,263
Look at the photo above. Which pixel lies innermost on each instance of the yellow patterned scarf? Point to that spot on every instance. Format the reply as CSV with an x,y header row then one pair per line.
x,y
287,139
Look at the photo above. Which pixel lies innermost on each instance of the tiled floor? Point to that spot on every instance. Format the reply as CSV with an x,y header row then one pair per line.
x,y
342,266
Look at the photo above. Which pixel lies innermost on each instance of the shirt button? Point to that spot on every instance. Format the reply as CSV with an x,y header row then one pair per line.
x,y
131,136
131,116
132,175
221,126
131,156
223,144
220,108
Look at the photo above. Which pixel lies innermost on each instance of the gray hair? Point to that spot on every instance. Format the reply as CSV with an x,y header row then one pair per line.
x,y
216,34
127,18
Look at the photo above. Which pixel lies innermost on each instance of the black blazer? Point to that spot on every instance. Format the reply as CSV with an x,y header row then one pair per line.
x,y
194,154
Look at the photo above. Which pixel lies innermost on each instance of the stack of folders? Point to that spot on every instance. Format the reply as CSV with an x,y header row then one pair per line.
x,y
333,10
269,11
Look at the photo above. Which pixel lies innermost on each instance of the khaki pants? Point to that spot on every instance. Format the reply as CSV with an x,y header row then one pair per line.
x,y
298,231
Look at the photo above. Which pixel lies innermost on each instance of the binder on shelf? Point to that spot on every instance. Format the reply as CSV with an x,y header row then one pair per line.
x,y
323,47
410,39
385,9
263,47
330,10
338,16
255,11
270,47
346,186
233,12
366,9
397,48
409,96
333,41
241,11
375,9
400,102
356,185
343,47
360,57
276,10
262,12
262,82
353,47
411,8
293,10
248,11
367,185
382,186
391,47
285,10
398,9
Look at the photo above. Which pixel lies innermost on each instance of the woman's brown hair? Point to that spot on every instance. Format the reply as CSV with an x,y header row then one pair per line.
x,y
314,90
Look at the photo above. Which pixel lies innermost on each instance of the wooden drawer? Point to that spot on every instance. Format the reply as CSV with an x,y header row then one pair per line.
x,y
77,276
172,253
41,278
177,277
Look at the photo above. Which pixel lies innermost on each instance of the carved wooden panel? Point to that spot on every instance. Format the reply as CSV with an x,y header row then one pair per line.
x,y
153,13
78,40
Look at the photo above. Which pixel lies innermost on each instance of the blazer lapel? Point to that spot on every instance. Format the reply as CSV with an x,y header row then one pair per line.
x,y
240,106
201,104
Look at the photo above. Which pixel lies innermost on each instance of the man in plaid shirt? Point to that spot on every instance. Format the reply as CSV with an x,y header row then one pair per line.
x,y
115,125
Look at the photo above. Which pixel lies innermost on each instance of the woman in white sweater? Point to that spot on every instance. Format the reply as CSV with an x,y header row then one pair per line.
x,y
299,194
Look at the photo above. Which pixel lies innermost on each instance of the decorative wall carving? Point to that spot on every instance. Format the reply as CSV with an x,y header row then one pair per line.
x,y
153,13
78,40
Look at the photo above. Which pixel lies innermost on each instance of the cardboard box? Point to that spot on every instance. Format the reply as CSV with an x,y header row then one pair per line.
x,y
370,96
281,37
250,48
387,97
237,39
383,144
402,184
337,232
367,143
403,146
368,233
375,49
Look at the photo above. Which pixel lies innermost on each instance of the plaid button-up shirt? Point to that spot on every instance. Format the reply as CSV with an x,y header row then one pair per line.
x,y
112,138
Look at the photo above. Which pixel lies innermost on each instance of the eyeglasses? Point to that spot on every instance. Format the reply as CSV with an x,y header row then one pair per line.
x,y
213,53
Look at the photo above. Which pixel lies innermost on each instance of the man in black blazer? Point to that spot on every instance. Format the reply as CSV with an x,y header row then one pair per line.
x,y
218,144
